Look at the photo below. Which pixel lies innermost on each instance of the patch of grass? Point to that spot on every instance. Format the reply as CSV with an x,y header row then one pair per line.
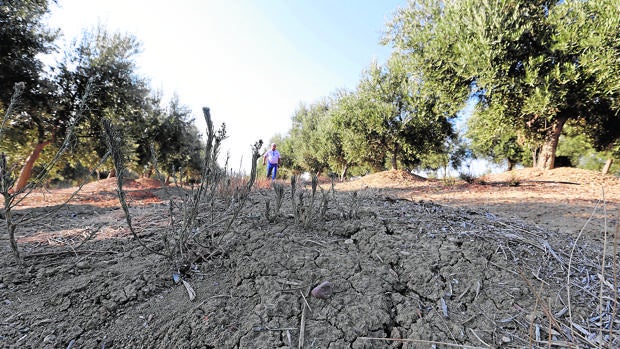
x,y
514,181
449,181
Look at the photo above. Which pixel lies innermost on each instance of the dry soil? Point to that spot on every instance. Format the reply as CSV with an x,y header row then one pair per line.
x,y
520,259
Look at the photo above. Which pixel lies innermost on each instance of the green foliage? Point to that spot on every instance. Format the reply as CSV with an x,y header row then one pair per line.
x,y
14,189
102,61
307,137
23,37
494,138
119,93
533,64
390,120
412,121
453,153
322,138
578,147
332,145
594,161
574,145
51,101
354,118
175,138
428,44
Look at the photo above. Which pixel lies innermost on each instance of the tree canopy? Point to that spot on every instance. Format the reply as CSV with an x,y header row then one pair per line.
x,y
55,98
388,121
22,38
533,64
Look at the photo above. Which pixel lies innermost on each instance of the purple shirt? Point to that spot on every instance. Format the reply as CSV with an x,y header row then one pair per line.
x,y
273,157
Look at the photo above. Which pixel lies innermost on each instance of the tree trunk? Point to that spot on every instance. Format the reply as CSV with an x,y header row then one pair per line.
x,y
148,173
546,157
511,165
343,173
26,172
394,162
607,166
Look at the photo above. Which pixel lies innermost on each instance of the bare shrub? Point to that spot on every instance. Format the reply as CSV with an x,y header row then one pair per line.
x,y
306,207
278,189
514,181
449,181
468,177
189,238
351,211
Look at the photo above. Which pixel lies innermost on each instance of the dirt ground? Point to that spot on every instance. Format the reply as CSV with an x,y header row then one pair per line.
x,y
520,259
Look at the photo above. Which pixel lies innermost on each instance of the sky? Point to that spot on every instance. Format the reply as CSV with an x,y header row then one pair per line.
x,y
252,62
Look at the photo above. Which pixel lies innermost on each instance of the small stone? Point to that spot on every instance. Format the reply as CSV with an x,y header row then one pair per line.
x,y
82,265
50,338
505,339
323,290
348,241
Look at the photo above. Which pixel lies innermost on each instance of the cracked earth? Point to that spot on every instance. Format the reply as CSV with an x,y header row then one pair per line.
x,y
412,263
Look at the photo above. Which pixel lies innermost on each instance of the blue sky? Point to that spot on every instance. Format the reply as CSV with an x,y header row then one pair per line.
x,y
251,62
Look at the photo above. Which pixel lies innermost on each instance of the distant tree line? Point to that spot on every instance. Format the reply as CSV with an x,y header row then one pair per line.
x,y
52,96
544,77
538,71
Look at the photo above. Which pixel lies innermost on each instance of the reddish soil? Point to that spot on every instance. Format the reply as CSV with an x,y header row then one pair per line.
x,y
412,263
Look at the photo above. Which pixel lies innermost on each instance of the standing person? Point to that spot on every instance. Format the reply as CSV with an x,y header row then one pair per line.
x,y
272,160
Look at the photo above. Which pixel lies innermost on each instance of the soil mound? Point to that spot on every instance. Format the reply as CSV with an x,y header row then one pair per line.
x,y
384,179
100,193
559,175
109,184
